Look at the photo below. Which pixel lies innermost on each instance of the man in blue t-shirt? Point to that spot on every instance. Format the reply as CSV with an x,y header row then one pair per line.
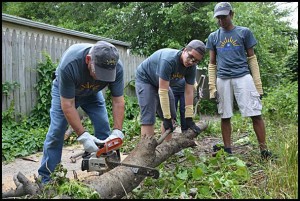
x,y
84,70
231,52
153,77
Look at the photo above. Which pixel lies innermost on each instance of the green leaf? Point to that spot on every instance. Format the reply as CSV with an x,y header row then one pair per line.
x,y
182,175
240,163
197,173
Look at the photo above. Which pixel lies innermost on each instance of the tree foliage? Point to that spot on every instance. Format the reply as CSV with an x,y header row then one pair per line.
x,y
149,26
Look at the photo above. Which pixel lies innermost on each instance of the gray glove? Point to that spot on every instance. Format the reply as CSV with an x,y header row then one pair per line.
x,y
89,142
116,133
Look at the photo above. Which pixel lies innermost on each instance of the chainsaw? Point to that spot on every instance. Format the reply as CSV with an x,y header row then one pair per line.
x,y
108,157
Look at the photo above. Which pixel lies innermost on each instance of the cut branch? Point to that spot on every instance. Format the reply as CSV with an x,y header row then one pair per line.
x,y
118,182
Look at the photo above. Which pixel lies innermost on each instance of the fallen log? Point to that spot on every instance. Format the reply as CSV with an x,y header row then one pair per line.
x,y
24,187
121,180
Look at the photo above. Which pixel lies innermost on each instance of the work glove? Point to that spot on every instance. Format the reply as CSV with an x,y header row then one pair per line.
x,y
191,124
89,142
212,68
212,91
254,68
116,133
195,86
168,124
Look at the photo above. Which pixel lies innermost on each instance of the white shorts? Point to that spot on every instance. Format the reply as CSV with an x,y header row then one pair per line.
x,y
245,93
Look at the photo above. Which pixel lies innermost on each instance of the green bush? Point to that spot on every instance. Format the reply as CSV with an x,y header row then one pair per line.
x,y
207,107
20,140
39,117
291,65
26,136
281,103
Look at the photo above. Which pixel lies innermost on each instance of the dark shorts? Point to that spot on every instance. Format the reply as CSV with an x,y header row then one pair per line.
x,y
149,103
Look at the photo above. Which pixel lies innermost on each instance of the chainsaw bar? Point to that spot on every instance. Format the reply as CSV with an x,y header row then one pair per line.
x,y
136,169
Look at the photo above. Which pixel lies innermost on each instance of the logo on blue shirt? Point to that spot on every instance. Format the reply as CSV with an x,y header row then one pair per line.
x,y
229,45
88,89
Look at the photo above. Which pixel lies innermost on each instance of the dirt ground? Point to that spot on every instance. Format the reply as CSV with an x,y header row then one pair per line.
x,y
30,164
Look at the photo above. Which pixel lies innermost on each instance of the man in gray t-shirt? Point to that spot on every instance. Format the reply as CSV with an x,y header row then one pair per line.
x,y
84,70
231,52
152,83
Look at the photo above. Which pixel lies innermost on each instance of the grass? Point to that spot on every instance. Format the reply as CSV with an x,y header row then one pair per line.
x,y
271,179
223,178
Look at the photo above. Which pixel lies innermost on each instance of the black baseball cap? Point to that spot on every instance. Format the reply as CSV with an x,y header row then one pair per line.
x,y
105,57
197,45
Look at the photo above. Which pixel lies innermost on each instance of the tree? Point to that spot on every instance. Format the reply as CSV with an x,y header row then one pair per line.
x,y
121,180
149,26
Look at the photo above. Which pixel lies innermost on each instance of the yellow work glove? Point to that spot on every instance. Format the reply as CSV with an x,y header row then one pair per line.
x,y
195,86
212,70
165,107
254,68
188,111
164,103
189,120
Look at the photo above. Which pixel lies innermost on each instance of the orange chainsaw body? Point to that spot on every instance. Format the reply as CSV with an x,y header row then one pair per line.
x,y
110,145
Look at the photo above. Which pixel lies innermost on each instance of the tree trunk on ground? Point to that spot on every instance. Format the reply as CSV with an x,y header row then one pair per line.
x,y
119,181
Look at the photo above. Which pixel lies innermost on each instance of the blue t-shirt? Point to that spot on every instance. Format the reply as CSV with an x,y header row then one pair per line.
x,y
74,77
165,63
230,47
177,85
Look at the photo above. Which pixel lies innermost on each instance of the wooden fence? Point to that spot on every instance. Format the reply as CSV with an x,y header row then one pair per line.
x,y
23,42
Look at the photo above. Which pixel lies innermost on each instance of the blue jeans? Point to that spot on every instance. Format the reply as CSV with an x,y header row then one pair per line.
x,y
179,97
94,107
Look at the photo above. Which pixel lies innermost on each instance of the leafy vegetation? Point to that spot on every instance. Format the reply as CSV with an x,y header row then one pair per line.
x,y
29,132
39,116
281,104
60,185
148,27
8,87
26,140
199,178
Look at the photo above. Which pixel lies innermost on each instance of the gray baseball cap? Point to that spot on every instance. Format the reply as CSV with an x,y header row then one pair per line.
x,y
197,45
105,57
222,8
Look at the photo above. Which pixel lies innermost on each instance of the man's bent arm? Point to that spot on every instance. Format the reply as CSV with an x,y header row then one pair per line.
x,y
118,109
71,114
189,94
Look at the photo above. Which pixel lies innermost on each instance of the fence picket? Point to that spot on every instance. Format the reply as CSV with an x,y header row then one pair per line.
x,y
22,50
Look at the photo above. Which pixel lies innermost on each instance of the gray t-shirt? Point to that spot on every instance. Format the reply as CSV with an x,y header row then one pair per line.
x,y
230,47
165,63
177,85
74,77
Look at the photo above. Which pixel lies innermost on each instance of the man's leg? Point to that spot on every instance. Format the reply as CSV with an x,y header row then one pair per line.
x,y
146,95
225,109
259,128
226,132
182,113
94,106
53,144
250,105
147,130
176,97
